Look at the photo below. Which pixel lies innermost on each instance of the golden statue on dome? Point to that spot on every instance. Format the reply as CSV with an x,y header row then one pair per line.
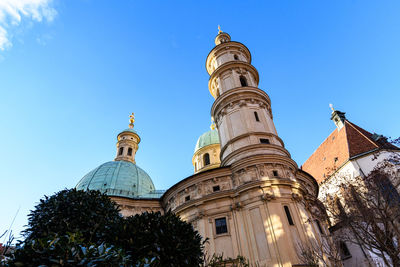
x,y
212,126
131,120
219,29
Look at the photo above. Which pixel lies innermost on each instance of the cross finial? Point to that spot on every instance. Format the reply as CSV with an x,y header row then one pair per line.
x,y
131,120
219,29
331,106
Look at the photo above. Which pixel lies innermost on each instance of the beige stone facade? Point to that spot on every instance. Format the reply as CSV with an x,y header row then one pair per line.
x,y
251,199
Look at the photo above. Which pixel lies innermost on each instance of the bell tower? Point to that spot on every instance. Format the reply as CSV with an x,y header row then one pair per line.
x,y
241,110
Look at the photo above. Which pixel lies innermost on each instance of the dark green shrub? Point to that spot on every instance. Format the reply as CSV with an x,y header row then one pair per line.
x,y
91,214
166,238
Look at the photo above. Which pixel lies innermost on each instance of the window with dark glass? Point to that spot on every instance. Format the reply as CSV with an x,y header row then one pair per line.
x,y
288,215
220,226
206,159
121,150
275,173
243,81
344,250
236,57
319,226
187,198
130,151
256,116
264,141
216,188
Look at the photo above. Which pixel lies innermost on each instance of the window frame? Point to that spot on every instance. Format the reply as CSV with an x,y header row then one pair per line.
x,y
243,81
225,226
289,216
206,159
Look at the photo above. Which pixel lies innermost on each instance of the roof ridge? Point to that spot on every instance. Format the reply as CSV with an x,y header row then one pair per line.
x,y
366,137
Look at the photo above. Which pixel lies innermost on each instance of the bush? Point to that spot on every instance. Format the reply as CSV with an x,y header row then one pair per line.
x,y
91,214
77,228
166,238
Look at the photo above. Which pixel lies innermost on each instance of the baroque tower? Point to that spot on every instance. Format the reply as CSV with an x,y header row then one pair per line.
x,y
241,110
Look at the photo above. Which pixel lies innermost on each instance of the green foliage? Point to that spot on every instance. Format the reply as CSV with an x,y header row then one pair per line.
x,y
67,250
77,228
166,238
91,214
220,261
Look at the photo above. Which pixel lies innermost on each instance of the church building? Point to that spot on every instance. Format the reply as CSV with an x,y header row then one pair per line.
x,y
246,195
348,153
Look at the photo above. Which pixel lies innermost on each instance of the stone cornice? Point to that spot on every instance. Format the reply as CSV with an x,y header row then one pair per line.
x,y
232,65
247,94
255,147
263,159
194,179
261,134
225,46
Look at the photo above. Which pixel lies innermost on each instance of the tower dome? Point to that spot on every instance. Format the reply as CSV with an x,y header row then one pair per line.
x,y
206,151
208,138
121,177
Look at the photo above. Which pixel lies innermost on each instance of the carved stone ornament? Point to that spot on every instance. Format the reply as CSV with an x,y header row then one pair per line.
x,y
296,197
267,197
236,206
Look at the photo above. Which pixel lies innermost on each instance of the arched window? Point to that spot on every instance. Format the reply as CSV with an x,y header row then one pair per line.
x,y
121,150
206,159
236,57
243,81
130,151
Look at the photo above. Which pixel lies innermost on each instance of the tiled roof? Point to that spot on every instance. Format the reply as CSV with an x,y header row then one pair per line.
x,y
341,145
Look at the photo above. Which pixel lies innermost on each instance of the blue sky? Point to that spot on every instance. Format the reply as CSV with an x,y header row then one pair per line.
x,y
71,72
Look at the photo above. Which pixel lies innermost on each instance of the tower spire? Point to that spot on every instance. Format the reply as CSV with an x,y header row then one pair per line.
x,y
219,29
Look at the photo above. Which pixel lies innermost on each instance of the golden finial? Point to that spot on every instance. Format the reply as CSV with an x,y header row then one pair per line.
x,y
219,29
212,124
131,120
331,106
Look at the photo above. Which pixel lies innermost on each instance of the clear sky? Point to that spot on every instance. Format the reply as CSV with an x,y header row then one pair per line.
x,y
72,71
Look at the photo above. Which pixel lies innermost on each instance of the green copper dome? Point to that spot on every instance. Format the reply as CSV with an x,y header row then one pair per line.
x,y
128,130
208,138
120,178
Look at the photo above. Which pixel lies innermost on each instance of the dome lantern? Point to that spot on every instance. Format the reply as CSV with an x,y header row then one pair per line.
x,y
128,142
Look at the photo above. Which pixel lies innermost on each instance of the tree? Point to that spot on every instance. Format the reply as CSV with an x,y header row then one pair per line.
x,y
369,208
165,238
84,228
90,213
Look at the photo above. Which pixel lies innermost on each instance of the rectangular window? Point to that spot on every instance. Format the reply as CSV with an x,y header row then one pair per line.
x,y
264,141
187,198
256,116
344,250
288,215
275,173
319,226
216,188
220,226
